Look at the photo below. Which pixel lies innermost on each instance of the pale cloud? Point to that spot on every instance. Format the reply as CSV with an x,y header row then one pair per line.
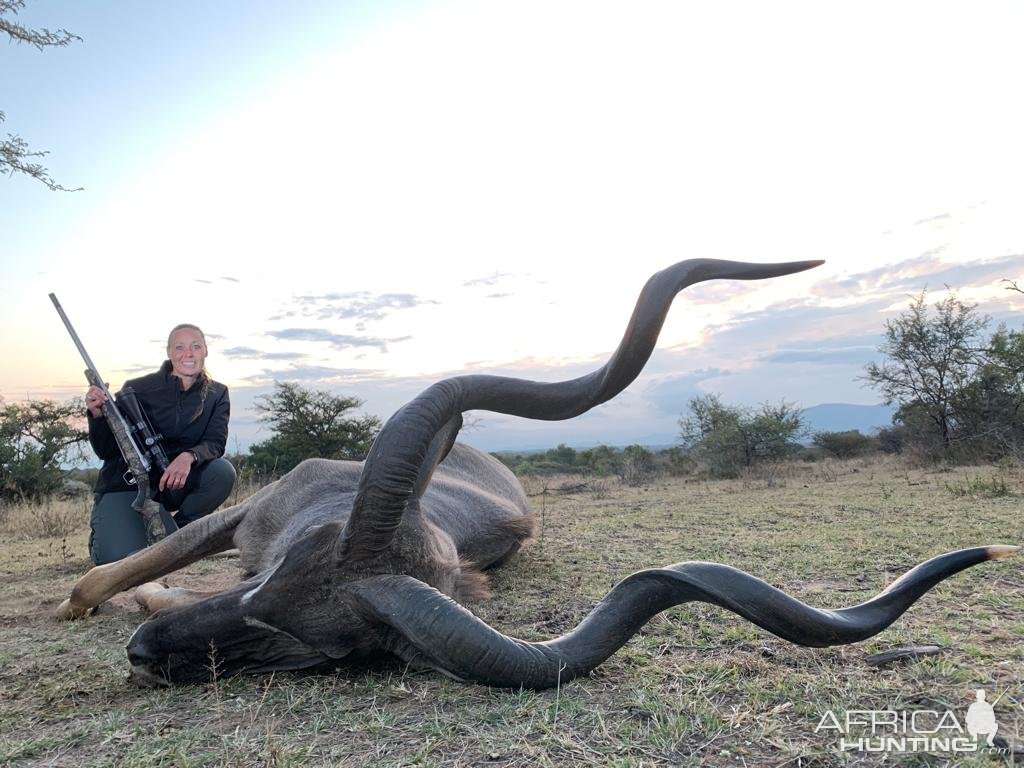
x,y
858,355
924,271
492,279
246,352
933,219
669,394
313,374
357,305
339,341
251,353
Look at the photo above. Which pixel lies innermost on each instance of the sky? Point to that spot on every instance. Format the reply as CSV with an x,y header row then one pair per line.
x,y
368,197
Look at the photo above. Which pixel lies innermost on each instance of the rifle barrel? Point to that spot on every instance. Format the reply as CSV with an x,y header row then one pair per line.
x,y
78,343
121,428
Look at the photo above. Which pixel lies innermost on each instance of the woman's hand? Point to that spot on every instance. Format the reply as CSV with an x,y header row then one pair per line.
x,y
94,400
177,473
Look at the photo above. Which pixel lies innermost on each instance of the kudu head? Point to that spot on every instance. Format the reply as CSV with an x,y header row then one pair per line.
x,y
374,584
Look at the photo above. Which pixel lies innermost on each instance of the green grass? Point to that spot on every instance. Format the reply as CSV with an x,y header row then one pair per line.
x,y
992,487
697,686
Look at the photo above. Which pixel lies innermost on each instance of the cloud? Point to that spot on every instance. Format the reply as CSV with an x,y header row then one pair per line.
x,y
230,279
336,340
251,353
498,295
491,279
856,355
717,292
800,324
314,373
205,282
134,369
926,270
242,352
932,219
359,305
670,394
979,273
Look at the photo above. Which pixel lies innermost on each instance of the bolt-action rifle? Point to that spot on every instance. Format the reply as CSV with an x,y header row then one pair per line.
x,y
138,441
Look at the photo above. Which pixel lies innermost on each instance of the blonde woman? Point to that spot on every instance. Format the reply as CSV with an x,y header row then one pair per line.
x,y
190,410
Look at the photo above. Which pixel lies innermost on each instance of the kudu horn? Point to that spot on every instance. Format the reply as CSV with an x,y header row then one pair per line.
x,y
397,455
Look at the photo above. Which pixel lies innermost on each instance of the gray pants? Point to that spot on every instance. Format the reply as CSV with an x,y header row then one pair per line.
x,y
117,529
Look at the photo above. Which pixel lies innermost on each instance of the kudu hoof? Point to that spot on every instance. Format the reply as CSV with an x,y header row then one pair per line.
x,y
68,611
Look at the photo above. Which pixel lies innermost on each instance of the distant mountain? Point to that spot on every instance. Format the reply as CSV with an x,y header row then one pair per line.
x,y
828,417
841,417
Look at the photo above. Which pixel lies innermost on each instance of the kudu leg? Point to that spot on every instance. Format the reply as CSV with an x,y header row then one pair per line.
x,y
154,596
206,536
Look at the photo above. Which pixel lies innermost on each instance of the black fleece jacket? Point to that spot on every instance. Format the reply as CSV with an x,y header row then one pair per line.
x,y
172,412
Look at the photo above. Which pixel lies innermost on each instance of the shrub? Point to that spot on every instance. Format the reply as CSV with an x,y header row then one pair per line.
x,y
309,424
845,445
637,465
728,438
980,487
892,439
36,438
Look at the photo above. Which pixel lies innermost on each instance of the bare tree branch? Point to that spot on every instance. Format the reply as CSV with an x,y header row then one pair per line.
x,y
15,154
16,157
39,38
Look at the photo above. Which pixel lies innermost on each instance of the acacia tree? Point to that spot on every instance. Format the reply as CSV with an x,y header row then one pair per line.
x,y
990,410
931,360
15,154
727,437
310,424
36,438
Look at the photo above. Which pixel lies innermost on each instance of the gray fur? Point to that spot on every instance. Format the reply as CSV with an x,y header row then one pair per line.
x,y
471,498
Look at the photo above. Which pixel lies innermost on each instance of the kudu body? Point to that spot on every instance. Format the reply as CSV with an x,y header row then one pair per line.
x,y
350,559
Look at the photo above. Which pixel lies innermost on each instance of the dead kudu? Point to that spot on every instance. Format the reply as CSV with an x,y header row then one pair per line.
x,y
354,559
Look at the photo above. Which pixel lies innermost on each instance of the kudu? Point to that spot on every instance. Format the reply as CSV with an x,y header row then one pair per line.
x,y
354,559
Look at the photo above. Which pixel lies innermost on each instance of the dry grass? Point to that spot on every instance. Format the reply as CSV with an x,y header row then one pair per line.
x,y
698,686
54,518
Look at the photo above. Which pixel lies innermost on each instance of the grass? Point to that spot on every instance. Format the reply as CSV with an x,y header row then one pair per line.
x,y
697,686
980,487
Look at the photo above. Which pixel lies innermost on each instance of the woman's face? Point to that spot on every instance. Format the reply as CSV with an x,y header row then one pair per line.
x,y
187,352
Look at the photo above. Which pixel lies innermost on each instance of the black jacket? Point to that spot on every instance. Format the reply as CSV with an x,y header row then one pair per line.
x,y
170,410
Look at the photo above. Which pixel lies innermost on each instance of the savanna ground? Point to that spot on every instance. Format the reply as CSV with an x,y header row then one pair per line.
x,y
698,686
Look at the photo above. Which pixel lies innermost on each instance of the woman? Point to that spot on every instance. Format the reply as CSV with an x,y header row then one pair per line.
x,y
190,410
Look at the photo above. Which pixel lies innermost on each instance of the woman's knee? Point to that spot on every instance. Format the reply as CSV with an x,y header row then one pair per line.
x,y
222,475
215,484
